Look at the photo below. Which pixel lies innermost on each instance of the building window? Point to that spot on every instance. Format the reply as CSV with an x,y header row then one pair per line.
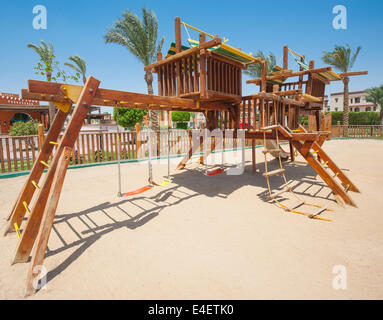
x,y
328,108
357,109
368,109
336,109
374,108
336,100
351,100
357,100
350,109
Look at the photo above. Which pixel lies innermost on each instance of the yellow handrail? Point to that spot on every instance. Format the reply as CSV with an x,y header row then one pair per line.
x,y
191,27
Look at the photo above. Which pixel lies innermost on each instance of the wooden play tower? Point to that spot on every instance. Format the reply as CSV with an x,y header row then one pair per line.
x,y
205,77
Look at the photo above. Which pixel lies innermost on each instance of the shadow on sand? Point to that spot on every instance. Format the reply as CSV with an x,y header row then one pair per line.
x,y
193,183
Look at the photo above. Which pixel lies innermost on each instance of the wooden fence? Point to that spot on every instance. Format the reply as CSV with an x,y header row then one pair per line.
x,y
19,153
358,131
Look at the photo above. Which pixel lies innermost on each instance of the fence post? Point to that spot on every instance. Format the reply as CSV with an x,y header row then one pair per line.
x,y
40,129
138,140
339,133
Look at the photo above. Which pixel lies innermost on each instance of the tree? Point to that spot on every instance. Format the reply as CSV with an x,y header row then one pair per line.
x,y
46,54
181,118
21,128
255,70
139,36
375,95
48,66
78,65
129,117
343,60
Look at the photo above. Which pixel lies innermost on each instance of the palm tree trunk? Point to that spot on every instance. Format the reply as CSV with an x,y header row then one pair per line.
x,y
153,114
346,80
52,108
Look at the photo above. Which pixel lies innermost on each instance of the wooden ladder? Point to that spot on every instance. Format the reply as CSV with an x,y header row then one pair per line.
x,y
35,235
286,187
341,189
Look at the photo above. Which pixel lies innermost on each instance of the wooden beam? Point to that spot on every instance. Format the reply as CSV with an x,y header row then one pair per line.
x,y
40,248
49,88
355,73
294,74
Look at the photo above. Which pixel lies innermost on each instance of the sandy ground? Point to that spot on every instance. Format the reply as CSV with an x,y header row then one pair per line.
x,y
206,237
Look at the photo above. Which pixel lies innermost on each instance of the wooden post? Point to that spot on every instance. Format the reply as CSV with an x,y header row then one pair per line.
x,y
285,57
202,66
159,75
253,156
177,26
40,129
71,133
40,248
138,140
263,76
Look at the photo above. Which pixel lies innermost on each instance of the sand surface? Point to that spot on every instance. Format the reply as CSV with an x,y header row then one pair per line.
x,y
206,237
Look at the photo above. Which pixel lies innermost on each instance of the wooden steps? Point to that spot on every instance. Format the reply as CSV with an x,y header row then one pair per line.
x,y
273,173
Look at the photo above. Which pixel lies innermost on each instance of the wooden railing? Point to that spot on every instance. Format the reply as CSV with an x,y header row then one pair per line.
x,y
265,109
223,77
208,76
357,131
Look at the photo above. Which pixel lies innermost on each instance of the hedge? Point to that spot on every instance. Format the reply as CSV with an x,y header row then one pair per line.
x,y
357,118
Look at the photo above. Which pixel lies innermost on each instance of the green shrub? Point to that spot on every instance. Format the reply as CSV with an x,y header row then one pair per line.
x,y
357,118
128,118
182,125
180,116
21,128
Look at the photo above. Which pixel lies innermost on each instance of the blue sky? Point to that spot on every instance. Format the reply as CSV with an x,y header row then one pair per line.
x,y
78,26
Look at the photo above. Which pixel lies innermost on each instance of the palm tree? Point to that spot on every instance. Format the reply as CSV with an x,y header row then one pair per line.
x,y
79,65
375,95
255,70
343,60
139,36
46,54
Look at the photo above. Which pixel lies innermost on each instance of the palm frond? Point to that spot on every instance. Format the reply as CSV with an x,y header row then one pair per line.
x,y
139,36
340,58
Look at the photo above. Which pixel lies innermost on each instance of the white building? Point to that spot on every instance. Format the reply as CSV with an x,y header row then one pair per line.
x,y
357,102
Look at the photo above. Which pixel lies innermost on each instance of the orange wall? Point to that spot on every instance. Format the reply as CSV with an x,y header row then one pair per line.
x,y
6,116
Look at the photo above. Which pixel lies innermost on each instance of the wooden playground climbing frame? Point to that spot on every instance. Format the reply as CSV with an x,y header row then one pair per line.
x,y
197,80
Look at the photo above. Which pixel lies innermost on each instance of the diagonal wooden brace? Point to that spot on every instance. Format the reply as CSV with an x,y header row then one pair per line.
x,y
40,247
69,137
327,178
28,190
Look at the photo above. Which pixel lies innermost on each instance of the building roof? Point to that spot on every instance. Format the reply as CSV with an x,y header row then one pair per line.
x,y
352,92
24,107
